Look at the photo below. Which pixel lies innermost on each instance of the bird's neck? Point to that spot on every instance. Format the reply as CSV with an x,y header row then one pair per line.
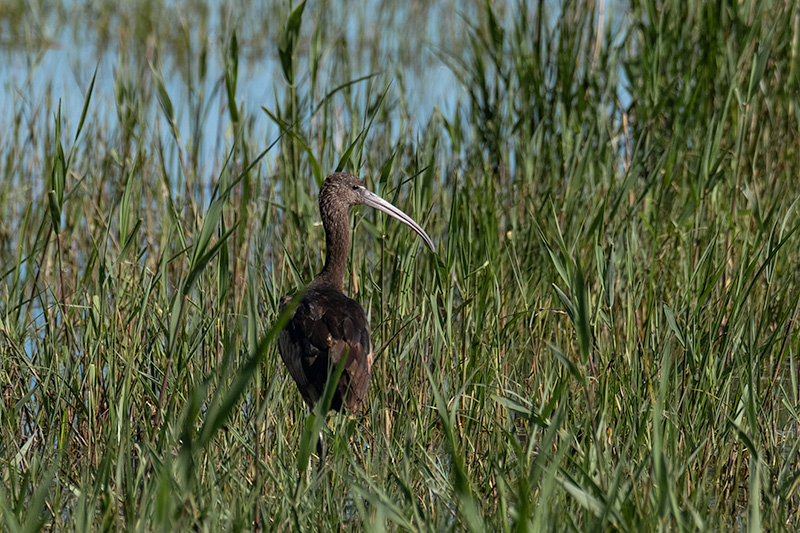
x,y
337,242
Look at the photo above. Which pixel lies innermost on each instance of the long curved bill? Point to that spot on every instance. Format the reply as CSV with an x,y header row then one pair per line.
x,y
373,200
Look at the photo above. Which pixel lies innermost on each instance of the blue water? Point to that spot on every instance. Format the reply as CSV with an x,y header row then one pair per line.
x,y
62,53
60,62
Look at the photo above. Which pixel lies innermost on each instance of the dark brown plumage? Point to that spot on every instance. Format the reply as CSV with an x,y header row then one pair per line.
x,y
326,323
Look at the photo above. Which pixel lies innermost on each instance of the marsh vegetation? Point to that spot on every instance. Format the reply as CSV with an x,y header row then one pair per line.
x,y
605,340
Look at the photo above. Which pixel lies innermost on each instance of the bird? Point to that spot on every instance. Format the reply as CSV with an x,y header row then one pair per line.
x,y
327,324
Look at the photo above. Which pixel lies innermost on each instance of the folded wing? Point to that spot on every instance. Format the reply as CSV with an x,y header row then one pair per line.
x,y
326,326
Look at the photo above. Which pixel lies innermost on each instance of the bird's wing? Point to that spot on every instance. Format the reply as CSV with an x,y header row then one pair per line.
x,y
298,353
292,355
324,327
350,335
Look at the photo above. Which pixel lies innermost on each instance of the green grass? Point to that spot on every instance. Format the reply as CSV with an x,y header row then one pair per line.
x,y
605,340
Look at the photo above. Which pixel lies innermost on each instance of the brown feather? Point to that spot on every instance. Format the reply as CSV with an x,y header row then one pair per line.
x,y
328,324
325,325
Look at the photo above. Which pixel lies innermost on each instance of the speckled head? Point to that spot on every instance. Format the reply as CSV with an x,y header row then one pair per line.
x,y
340,192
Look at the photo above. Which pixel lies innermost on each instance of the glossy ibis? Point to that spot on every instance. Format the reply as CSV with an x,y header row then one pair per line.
x,y
326,323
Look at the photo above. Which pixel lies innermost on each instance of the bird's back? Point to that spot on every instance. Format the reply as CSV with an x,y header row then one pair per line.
x,y
326,325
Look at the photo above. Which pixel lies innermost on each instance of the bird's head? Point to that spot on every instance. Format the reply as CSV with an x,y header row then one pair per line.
x,y
346,190
342,188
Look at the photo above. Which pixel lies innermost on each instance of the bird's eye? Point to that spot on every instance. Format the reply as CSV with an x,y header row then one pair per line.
x,y
355,187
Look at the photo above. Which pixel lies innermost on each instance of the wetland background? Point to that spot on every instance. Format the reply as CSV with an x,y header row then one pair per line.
x,y
605,340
